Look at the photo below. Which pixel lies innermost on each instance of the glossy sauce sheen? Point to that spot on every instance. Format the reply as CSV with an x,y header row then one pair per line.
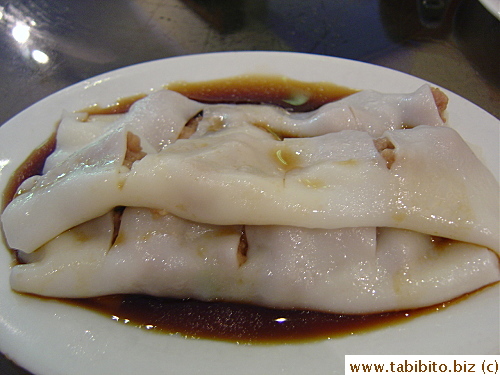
x,y
290,94
32,166
238,322
219,320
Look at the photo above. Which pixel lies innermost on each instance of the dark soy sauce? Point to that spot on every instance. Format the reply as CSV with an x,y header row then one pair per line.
x,y
220,320
240,323
32,165
288,93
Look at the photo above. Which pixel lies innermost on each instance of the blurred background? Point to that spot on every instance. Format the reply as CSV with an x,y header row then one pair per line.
x,y
47,45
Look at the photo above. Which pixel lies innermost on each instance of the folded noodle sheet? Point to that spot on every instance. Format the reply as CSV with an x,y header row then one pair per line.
x,y
369,207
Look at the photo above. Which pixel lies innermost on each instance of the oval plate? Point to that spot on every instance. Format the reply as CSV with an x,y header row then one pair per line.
x,y
49,337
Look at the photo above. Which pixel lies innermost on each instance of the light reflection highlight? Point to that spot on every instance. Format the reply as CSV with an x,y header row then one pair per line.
x,y
21,32
3,163
22,29
40,56
280,320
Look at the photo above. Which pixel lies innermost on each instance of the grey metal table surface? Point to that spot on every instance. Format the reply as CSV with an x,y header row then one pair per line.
x,y
46,45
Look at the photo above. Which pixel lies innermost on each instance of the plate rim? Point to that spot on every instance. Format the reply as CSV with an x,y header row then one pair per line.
x,y
493,6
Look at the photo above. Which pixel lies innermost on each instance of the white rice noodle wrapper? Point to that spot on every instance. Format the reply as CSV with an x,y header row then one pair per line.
x,y
348,270
244,180
76,131
243,175
160,117
443,184
366,110
88,178
328,224
87,164
157,119
354,270
189,258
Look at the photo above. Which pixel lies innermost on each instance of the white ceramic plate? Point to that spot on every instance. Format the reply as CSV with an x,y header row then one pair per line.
x,y
493,7
48,337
